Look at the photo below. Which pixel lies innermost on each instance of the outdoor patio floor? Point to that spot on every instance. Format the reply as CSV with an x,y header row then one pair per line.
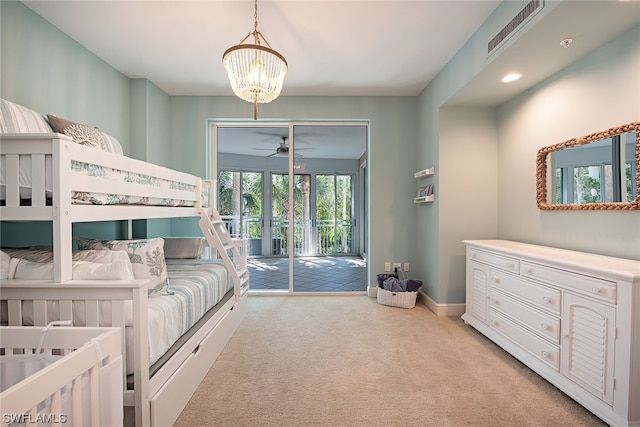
x,y
311,274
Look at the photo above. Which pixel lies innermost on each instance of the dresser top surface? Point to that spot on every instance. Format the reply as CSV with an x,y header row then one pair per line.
x,y
591,263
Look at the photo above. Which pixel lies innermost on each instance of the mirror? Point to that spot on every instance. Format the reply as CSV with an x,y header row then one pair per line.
x,y
597,171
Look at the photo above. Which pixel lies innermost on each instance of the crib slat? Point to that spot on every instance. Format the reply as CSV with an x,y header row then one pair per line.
x,y
56,406
12,179
117,319
39,313
33,412
38,197
91,313
76,399
95,397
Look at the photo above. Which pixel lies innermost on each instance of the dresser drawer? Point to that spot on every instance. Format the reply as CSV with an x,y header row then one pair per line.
x,y
544,324
543,350
538,295
603,290
500,261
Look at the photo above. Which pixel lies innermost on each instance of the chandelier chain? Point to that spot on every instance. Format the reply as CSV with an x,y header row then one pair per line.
x,y
255,22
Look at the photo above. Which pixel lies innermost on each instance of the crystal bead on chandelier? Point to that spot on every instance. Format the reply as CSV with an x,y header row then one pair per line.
x,y
256,72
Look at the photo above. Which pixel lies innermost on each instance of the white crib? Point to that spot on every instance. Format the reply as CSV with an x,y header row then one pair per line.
x,y
75,381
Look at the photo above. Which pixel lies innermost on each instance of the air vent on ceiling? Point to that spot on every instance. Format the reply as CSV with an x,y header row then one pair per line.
x,y
526,12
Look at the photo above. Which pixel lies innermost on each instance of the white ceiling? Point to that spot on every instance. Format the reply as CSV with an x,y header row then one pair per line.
x,y
345,48
348,48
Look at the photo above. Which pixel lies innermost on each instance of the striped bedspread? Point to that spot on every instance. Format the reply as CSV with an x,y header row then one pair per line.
x,y
197,286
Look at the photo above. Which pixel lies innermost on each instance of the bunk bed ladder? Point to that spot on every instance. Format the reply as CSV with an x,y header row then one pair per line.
x,y
229,249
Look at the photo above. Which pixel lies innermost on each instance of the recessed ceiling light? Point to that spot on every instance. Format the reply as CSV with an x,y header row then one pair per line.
x,y
566,42
511,77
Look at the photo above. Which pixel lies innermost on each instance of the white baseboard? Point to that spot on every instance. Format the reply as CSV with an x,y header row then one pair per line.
x,y
437,309
441,309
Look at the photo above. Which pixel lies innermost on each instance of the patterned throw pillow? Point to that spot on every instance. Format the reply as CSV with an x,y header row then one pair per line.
x,y
81,134
146,256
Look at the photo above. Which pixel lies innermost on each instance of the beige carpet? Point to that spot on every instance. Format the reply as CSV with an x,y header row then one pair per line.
x,y
348,361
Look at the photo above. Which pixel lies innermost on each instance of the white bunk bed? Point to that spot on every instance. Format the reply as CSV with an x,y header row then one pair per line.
x,y
52,156
75,380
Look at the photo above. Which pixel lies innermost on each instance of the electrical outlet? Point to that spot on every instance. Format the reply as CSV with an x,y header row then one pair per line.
x,y
397,265
406,266
387,266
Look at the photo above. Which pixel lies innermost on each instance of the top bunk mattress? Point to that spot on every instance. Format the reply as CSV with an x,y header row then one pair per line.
x,y
80,170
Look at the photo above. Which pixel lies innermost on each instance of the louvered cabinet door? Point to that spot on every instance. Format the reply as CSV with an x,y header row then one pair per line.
x,y
478,291
588,340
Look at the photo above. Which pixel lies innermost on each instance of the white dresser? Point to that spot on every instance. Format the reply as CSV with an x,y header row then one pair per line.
x,y
572,317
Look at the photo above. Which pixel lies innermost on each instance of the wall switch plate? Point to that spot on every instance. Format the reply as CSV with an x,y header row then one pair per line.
x,y
406,266
387,266
397,265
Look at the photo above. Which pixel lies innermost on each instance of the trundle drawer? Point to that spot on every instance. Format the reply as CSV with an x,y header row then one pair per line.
x,y
500,261
541,296
544,324
545,351
603,290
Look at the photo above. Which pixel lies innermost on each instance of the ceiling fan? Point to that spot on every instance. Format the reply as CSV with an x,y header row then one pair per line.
x,y
283,148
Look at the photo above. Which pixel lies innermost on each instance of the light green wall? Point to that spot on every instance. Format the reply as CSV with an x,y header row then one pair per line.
x,y
46,70
393,127
600,91
151,131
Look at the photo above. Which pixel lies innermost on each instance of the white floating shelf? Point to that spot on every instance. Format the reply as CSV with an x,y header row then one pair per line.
x,y
425,199
424,172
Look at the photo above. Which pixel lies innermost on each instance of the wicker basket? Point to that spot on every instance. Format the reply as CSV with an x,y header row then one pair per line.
x,y
397,299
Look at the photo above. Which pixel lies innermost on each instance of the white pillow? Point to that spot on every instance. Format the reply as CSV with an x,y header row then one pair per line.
x,y
101,256
5,259
81,270
183,247
147,259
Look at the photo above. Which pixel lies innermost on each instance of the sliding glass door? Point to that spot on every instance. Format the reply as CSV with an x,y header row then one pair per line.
x,y
293,192
240,199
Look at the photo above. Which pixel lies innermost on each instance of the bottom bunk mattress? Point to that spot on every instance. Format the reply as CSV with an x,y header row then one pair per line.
x,y
196,287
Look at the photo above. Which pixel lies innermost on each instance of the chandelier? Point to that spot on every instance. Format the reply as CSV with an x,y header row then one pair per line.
x,y
256,71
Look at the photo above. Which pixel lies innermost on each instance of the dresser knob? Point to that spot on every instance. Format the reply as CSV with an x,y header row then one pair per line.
x,y
545,354
511,265
496,280
546,300
544,327
530,271
494,301
595,290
